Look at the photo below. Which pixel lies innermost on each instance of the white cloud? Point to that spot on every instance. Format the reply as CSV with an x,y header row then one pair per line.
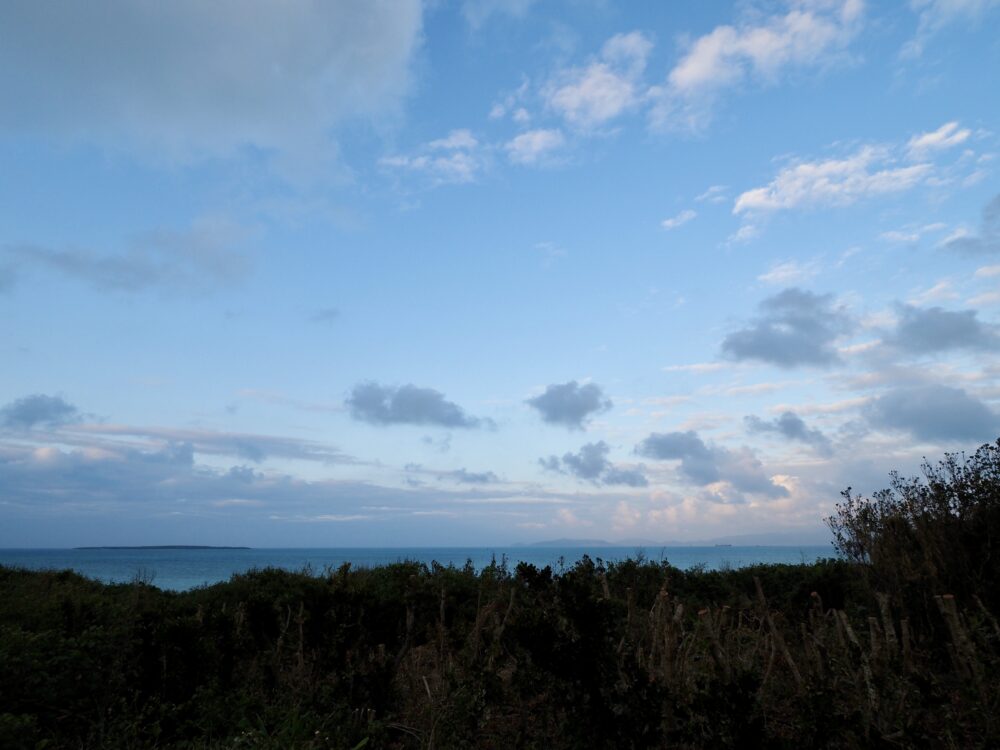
x,y
530,147
984,299
942,291
186,79
456,139
789,273
699,367
456,158
679,220
807,35
610,85
986,272
714,194
867,172
745,233
946,136
911,234
934,15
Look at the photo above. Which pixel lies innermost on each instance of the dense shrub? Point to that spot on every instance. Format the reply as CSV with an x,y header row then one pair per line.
x,y
634,654
932,535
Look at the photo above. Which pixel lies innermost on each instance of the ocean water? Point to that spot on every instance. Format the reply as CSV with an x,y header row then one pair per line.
x,y
181,569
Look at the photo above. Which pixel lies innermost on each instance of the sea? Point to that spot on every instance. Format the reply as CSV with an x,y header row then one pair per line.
x,y
183,569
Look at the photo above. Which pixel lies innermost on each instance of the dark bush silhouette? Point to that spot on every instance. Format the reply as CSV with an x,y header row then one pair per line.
x,y
932,535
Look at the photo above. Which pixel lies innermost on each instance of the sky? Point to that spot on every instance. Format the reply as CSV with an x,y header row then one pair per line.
x,y
483,272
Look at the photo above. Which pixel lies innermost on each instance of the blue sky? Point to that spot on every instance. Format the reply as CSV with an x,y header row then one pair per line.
x,y
483,272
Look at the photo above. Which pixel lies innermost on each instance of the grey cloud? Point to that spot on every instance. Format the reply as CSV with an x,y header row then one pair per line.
x,y
192,260
386,405
474,477
627,477
591,463
988,240
128,480
922,331
325,315
791,426
934,412
37,409
570,404
551,464
705,464
150,76
795,327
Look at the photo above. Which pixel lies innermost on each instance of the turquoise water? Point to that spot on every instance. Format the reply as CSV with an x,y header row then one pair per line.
x,y
180,569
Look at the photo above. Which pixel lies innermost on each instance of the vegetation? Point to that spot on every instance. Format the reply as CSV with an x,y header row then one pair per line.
x,y
895,645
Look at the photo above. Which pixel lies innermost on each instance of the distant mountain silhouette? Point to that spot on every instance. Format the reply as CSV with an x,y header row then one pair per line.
x,y
767,539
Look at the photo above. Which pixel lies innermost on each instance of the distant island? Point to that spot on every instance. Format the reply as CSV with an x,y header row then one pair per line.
x,y
165,546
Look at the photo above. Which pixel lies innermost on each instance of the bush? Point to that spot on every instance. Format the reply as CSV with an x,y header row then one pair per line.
x,y
931,535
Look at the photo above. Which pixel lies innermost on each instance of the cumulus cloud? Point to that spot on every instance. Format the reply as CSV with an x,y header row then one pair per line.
x,y
185,78
946,136
570,404
795,327
407,404
810,34
792,427
591,463
196,259
534,145
679,220
37,409
933,329
934,413
988,239
609,86
703,464
868,172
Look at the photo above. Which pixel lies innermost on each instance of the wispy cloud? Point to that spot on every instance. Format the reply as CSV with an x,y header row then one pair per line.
x,y
870,171
455,158
194,260
679,220
790,272
947,136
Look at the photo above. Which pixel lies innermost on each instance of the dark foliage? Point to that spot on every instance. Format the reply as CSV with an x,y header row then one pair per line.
x,y
931,535
894,646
